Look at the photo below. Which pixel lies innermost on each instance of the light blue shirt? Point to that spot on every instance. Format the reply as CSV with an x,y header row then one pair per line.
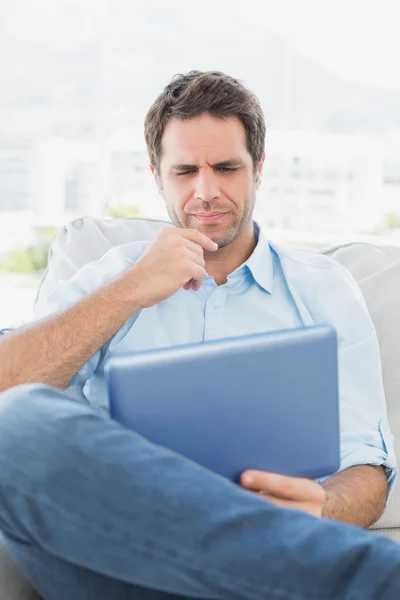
x,y
274,289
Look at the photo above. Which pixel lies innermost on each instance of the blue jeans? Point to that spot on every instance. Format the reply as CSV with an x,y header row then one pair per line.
x,y
93,511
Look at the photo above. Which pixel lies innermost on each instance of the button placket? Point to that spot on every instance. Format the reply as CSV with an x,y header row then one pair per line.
x,y
214,316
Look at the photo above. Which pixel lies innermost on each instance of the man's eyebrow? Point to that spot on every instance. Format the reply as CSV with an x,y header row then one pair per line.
x,y
182,167
232,162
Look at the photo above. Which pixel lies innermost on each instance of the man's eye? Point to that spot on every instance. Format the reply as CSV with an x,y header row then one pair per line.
x,y
227,169
182,173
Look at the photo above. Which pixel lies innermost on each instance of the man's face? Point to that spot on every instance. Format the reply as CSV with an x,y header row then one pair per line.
x,y
207,177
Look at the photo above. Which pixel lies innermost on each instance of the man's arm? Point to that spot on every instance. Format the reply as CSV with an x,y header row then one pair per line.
x,y
52,351
357,495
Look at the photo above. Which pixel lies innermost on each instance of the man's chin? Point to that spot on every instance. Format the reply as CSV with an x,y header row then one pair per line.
x,y
222,238
217,232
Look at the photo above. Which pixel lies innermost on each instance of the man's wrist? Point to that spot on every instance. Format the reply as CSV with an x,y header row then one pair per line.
x,y
131,289
328,503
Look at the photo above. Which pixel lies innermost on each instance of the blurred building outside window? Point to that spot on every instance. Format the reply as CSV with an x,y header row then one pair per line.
x,y
76,87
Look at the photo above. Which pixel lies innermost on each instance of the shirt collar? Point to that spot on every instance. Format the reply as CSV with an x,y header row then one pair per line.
x,y
260,263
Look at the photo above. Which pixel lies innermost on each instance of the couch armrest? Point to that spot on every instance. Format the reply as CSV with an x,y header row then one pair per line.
x,y
13,584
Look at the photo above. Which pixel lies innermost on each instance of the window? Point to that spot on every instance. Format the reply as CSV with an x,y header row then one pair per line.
x,y
79,77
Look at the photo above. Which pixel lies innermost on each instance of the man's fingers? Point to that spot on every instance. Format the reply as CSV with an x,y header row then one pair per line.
x,y
196,284
198,259
282,486
287,492
199,238
198,277
290,488
193,284
276,501
193,247
313,508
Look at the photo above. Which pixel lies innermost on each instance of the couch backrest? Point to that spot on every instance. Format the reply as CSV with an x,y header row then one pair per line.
x,y
86,240
377,271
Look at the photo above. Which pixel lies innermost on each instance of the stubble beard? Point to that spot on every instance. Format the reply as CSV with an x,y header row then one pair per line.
x,y
223,238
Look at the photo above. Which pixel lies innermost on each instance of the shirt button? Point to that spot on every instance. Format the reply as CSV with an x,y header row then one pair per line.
x,y
216,301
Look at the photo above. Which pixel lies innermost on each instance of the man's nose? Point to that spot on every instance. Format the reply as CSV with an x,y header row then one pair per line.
x,y
206,188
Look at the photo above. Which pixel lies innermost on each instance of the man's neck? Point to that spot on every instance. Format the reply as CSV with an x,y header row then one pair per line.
x,y
223,262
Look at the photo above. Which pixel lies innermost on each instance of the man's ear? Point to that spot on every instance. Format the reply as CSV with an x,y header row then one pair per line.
x,y
259,172
157,179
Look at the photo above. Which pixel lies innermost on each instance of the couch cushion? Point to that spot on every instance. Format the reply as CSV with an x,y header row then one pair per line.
x,y
377,271
86,240
13,584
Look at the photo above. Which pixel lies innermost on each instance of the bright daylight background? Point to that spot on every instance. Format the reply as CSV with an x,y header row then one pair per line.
x,y
77,76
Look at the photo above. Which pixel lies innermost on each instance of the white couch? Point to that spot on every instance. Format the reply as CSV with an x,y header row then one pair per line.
x,y
376,269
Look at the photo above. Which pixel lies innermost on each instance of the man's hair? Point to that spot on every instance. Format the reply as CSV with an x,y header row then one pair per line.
x,y
212,92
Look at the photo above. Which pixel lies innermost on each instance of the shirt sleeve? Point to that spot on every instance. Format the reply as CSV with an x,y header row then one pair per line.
x,y
365,437
93,275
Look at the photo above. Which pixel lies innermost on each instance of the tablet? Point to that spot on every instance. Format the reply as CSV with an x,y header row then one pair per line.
x,y
267,401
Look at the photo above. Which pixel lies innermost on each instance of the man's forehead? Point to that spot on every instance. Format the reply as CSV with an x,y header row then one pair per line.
x,y
180,146
203,133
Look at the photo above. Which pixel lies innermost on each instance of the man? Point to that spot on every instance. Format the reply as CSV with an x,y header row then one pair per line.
x,y
93,511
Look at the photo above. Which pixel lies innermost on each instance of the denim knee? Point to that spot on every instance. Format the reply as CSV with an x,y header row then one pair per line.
x,y
33,418
21,404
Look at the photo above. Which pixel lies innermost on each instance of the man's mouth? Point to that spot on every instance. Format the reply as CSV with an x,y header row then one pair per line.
x,y
210,217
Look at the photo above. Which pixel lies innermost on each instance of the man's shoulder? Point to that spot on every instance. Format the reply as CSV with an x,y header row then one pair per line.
x,y
327,288
308,260
89,277
111,264
126,253
317,277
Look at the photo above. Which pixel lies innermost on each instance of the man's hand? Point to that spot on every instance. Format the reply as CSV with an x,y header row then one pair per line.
x,y
290,492
70,338
174,260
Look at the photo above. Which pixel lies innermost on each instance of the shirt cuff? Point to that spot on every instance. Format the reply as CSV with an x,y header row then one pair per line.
x,y
370,448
